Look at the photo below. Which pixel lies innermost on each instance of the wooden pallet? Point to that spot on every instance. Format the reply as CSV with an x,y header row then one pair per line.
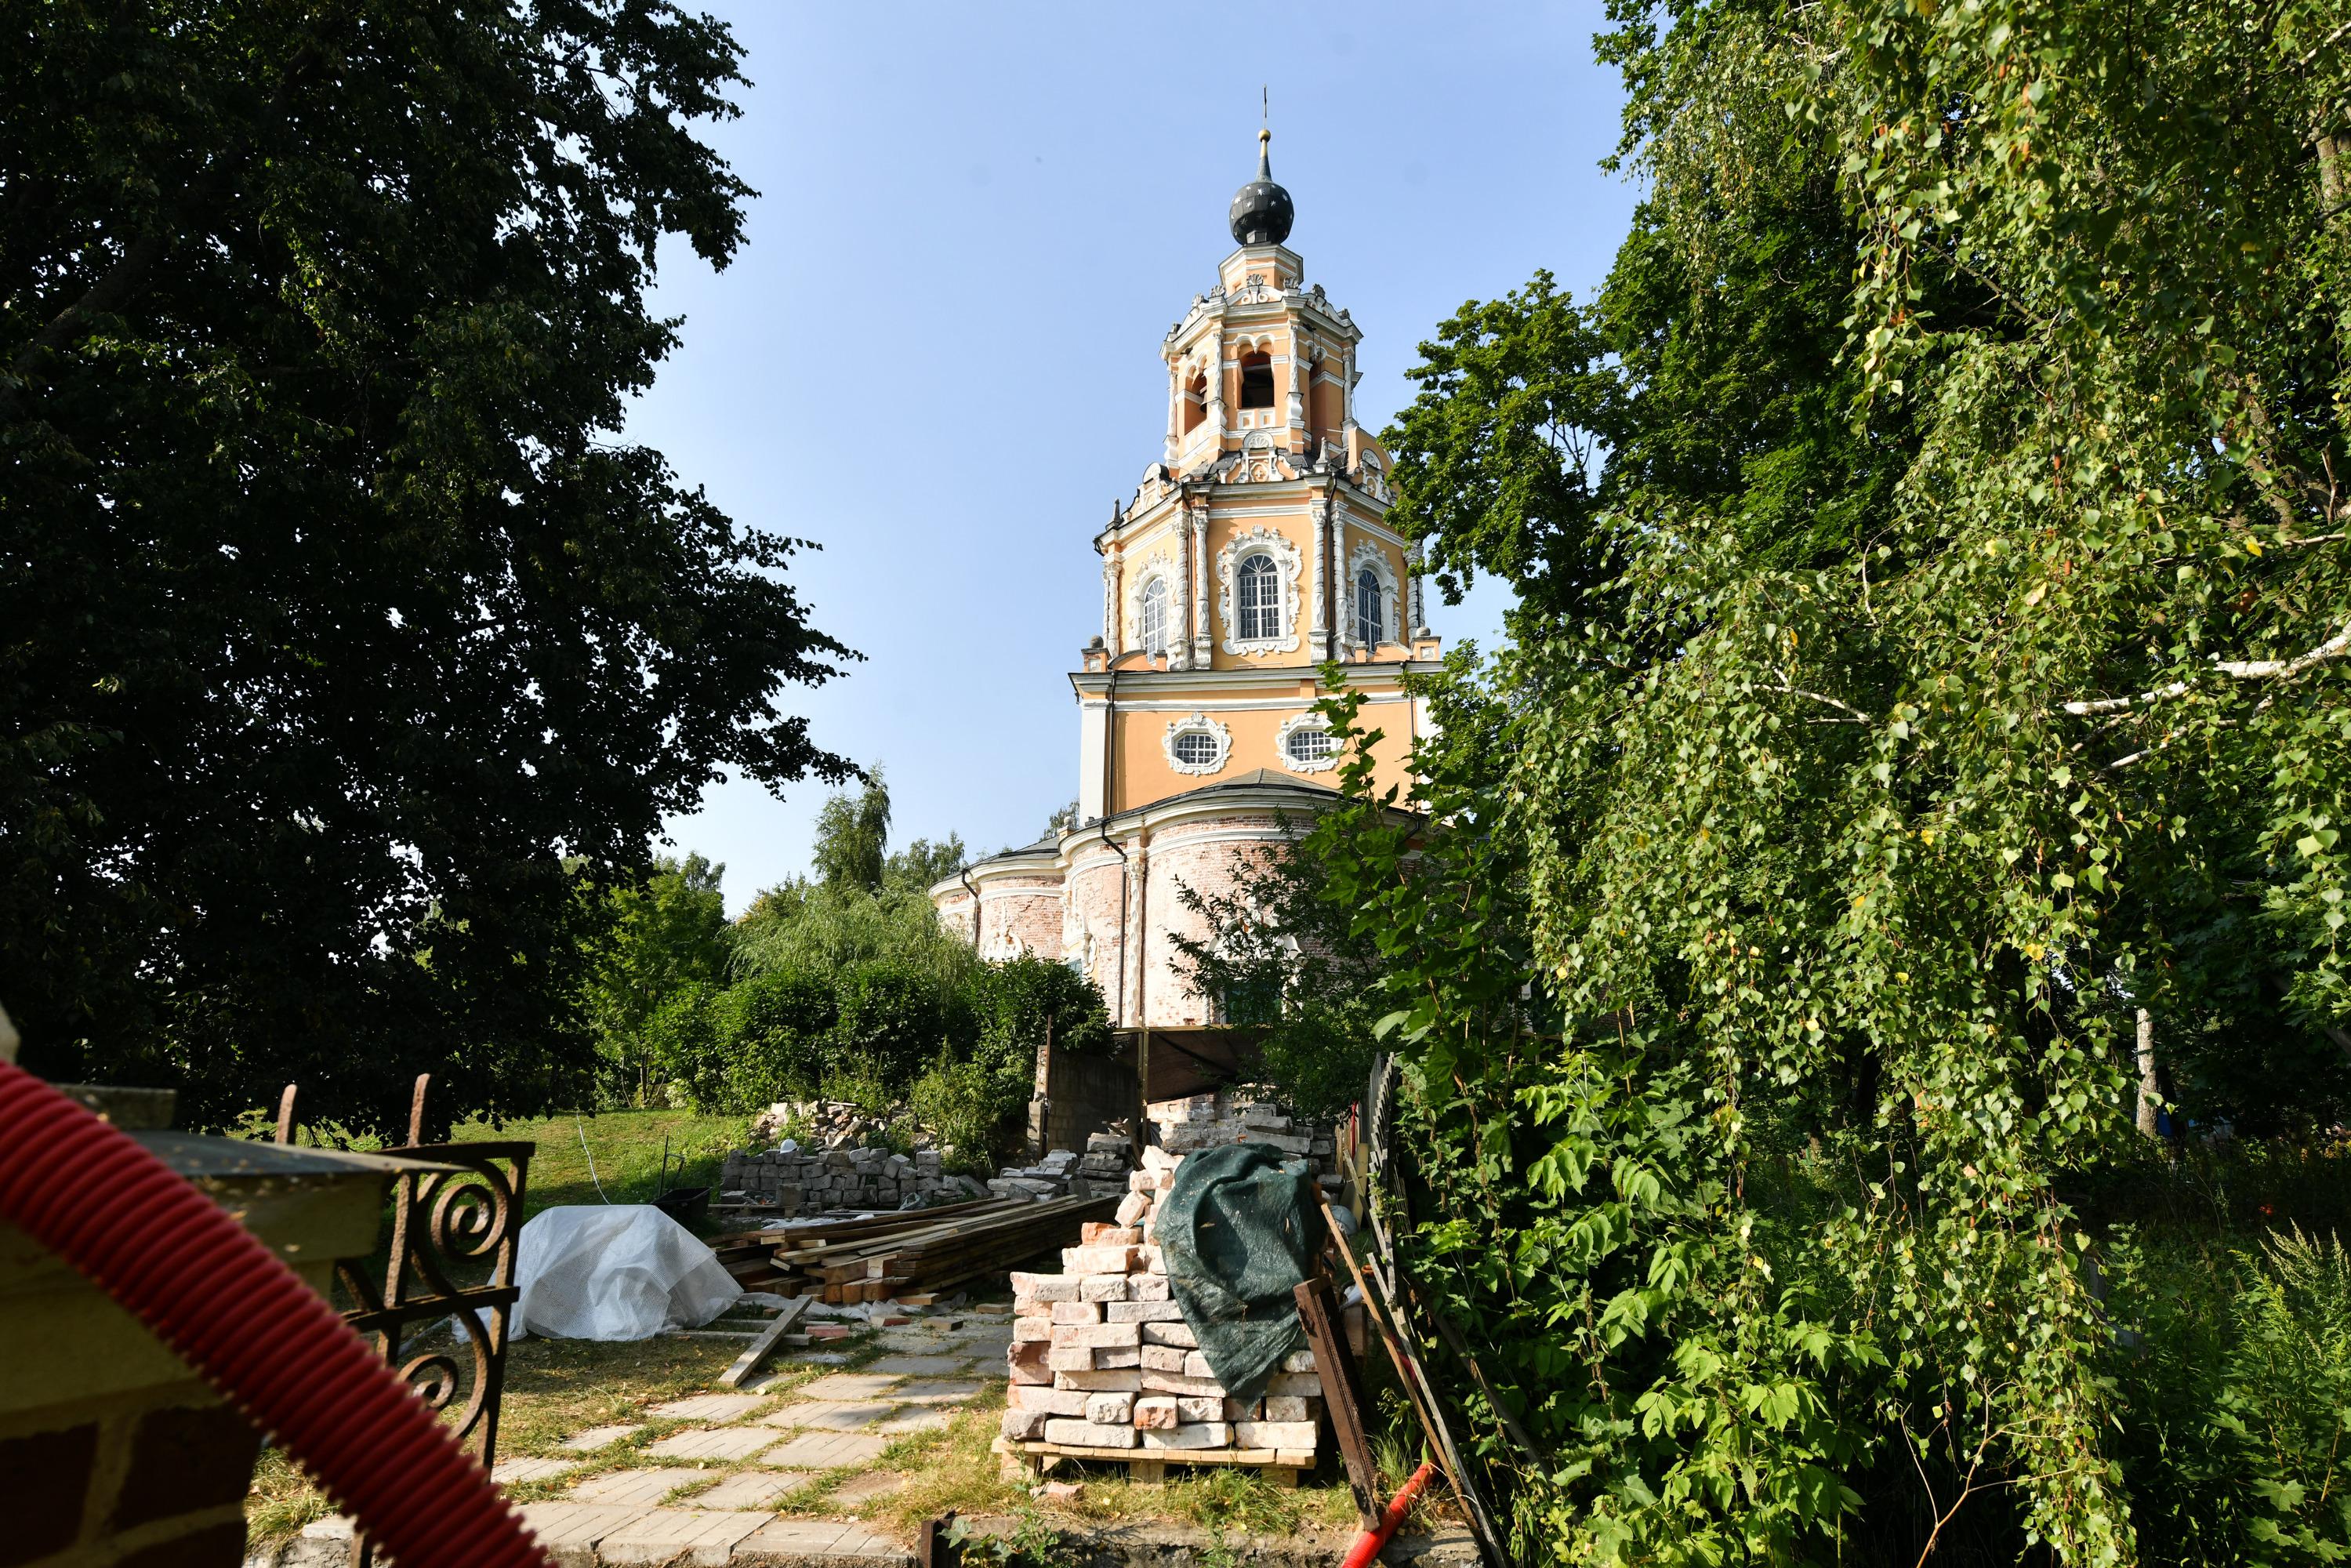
x,y
1148,1466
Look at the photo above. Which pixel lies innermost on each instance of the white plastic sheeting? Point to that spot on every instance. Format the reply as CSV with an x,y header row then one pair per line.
x,y
617,1271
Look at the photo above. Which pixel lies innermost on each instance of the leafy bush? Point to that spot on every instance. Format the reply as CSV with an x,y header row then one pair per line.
x,y
686,1046
2236,1371
779,1029
891,1023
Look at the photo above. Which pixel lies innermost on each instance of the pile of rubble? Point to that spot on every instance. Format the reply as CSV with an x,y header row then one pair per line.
x,y
1101,1358
1064,1173
793,1181
816,1124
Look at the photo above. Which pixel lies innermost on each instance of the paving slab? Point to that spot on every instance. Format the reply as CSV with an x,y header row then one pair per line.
x,y
917,1365
514,1472
819,1544
641,1488
850,1386
749,1490
937,1391
569,1531
829,1415
709,1407
678,1535
714,1443
914,1421
597,1438
825,1451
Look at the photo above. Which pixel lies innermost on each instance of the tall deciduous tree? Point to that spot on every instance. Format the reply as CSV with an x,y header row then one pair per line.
x,y
1949,663
333,615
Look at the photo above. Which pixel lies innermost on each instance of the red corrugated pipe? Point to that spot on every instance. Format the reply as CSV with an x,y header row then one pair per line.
x,y
247,1322
1370,1542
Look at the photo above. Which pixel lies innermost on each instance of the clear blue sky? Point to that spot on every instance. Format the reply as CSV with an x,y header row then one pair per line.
x,y
938,355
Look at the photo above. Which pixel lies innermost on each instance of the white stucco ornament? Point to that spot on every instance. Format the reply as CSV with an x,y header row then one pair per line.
x,y
1308,756
1286,564
1197,745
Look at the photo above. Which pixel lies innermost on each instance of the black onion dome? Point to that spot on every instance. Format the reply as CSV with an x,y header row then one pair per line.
x,y
1261,210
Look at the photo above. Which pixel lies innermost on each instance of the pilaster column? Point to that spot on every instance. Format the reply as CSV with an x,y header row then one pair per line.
x,y
1179,611
1201,636
1419,611
1297,384
1110,617
1175,408
1346,596
1318,641
1215,345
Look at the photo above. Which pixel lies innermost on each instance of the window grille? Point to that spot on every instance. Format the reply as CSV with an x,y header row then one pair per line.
x,y
1369,631
1309,745
1258,586
1195,748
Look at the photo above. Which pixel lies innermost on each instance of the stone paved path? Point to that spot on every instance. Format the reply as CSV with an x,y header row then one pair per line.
x,y
759,1449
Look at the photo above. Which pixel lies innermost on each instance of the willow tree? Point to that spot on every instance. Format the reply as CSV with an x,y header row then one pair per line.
x,y
1933,658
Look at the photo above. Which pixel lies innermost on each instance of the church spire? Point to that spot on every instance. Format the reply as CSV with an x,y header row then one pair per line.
x,y
1262,212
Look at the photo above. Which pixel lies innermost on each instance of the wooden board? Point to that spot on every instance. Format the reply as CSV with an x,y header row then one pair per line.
x,y
1292,1460
756,1355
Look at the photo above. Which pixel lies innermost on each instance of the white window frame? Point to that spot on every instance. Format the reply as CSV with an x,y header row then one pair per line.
x,y
1160,568
1305,721
1197,723
1368,555
1287,564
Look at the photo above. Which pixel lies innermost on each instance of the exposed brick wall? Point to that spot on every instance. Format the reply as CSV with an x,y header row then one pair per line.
x,y
147,1486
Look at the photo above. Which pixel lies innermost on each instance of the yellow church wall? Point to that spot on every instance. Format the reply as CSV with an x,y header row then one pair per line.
x,y
1145,775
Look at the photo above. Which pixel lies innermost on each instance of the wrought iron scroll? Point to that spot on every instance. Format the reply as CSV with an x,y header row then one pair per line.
x,y
452,1260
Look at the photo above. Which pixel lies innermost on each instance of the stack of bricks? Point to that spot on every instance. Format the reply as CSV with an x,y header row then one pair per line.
x,y
1103,1362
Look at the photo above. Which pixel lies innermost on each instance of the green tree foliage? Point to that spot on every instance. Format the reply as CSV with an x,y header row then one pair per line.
x,y
1946,662
665,930
778,1035
333,613
852,835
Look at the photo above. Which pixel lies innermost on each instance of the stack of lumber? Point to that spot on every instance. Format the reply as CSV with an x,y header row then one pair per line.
x,y
891,1257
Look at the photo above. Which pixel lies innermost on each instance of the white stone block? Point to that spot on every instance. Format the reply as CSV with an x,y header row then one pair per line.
x,y
1306,1382
1274,1434
1044,1287
1077,1313
1193,1435
1118,1356
1087,1434
1143,1311
1165,1358
1149,1288
1096,1288
1098,1336
1071,1358
1024,1425
1132,1209
1298,1361
1158,1412
1032,1328
1177,1384
1084,1260
1197,1365
1170,1333
1124,1380
1286,1407
1111,1410
1196,1408
1047,1401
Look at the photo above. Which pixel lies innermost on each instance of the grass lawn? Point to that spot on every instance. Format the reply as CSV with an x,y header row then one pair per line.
x,y
622,1147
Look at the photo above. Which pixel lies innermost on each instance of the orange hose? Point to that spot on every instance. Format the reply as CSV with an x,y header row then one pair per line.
x,y
178,1262
1369,1544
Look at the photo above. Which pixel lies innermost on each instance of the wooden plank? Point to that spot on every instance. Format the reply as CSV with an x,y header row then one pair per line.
x,y
756,1352
1343,1395
1267,1459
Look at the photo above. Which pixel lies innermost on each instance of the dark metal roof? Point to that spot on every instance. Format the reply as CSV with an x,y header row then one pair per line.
x,y
1262,212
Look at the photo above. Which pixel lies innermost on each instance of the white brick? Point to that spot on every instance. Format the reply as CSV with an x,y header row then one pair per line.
x,y
1149,1288
1127,1382
1298,1361
1044,1287
1024,1425
1165,1358
1103,1337
1077,1313
1083,1260
1158,1412
1176,1382
1143,1311
1287,1408
1071,1358
1132,1207
1274,1434
1102,1288
1193,1434
1140,1182
1306,1382
1032,1328
1086,1434
1111,1410
1197,1365
1170,1333
1152,1260
1196,1408
1118,1356
1047,1401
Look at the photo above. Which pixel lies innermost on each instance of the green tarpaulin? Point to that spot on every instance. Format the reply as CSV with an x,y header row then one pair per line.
x,y
1240,1230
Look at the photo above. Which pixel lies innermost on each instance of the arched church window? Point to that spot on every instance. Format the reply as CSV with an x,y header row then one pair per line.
x,y
1256,380
1369,632
1196,404
1152,632
1257,587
